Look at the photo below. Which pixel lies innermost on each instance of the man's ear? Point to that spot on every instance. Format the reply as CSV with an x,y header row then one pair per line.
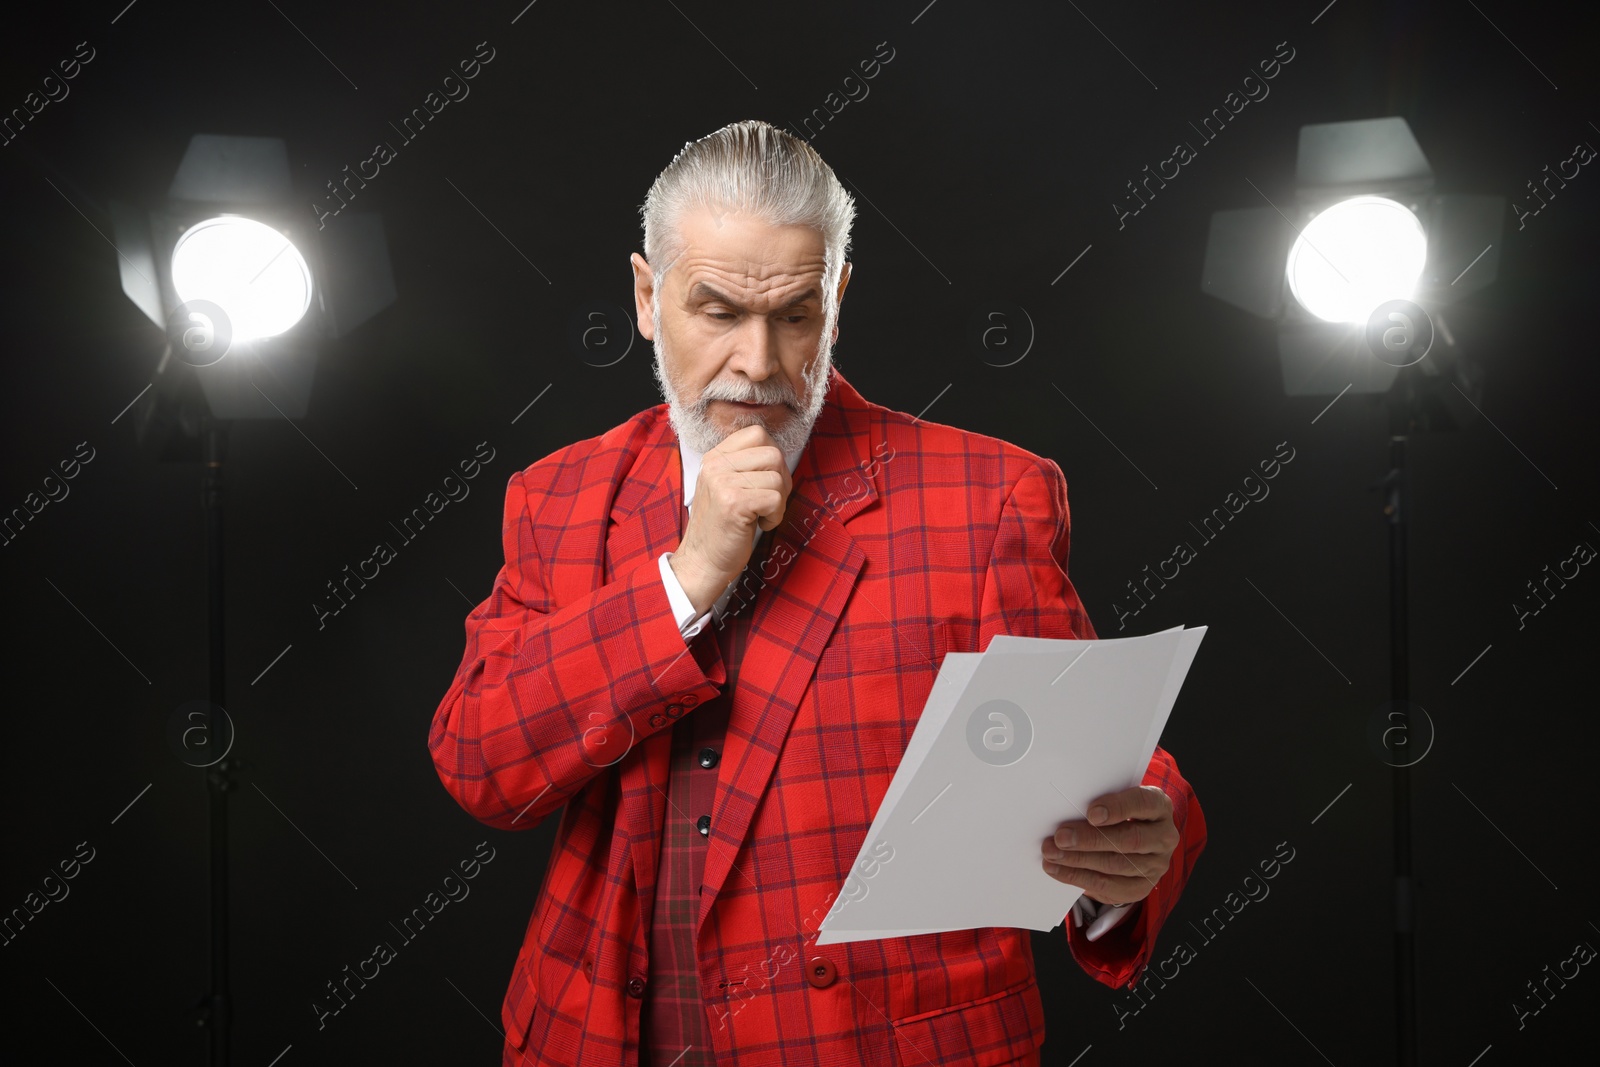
x,y
643,287
844,280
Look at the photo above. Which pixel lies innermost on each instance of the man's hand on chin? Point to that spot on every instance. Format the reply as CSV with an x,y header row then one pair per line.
x,y
1121,851
744,484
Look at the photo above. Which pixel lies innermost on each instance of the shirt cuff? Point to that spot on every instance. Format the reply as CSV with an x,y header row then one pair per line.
x,y
682,607
1100,917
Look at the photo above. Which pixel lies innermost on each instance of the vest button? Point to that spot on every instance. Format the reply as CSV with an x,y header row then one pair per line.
x,y
708,757
636,987
820,972
703,824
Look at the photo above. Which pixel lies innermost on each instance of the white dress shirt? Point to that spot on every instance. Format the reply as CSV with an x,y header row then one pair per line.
x,y
1100,917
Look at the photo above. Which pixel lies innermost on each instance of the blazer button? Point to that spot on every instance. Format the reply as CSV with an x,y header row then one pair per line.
x,y
689,700
674,710
703,824
636,987
658,719
708,757
820,972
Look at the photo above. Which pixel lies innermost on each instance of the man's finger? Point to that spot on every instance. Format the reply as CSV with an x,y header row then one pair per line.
x,y
1139,802
1120,864
756,457
1108,889
1135,836
1089,881
744,437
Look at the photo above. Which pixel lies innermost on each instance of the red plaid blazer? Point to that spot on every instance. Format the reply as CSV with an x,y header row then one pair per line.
x,y
902,540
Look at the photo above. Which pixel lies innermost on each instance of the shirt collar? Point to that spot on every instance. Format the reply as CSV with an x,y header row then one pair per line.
x,y
691,467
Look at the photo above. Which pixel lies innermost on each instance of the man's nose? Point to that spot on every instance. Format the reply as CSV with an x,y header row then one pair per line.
x,y
756,354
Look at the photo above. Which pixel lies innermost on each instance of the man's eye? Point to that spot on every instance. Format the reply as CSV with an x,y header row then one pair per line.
x,y
720,314
794,320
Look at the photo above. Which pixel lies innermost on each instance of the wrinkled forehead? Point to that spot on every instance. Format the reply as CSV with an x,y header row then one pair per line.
x,y
747,259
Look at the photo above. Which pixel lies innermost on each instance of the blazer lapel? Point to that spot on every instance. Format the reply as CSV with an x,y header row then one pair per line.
x,y
808,576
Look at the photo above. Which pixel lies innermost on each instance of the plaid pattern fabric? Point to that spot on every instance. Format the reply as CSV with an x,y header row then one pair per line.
x,y
675,1031
903,540
674,1011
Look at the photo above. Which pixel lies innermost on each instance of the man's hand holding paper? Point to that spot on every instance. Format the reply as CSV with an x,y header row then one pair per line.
x,y
1118,854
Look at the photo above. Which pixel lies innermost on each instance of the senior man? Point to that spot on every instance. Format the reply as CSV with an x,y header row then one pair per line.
x,y
715,628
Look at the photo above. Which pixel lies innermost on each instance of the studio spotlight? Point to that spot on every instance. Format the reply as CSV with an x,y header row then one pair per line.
x,y
247,268
247,290
1362,228
1356,255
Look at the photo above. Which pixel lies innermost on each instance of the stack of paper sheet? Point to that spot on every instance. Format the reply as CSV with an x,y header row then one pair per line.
x,y
1012,742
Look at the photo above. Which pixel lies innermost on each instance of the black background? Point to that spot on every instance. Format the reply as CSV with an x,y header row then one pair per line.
x,y
984,160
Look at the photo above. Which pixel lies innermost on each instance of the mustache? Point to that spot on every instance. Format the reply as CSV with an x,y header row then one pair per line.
x,y
776,395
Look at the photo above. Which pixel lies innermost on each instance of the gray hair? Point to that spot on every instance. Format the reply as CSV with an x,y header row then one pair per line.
x,y
753,167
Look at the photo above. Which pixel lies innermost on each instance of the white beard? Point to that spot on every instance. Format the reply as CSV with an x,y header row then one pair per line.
x,y
693,424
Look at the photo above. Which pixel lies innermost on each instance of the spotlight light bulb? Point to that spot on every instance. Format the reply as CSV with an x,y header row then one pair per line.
x,y
250,270
1356,255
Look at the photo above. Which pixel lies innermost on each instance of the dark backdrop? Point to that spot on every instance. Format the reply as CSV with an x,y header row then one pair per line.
x,y
985,159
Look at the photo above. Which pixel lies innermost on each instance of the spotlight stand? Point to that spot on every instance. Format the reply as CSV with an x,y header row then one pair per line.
x,y
216,1007
1402,409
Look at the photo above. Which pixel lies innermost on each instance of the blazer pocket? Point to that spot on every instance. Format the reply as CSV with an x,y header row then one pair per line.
x,y
906,647
870,687
988,1032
